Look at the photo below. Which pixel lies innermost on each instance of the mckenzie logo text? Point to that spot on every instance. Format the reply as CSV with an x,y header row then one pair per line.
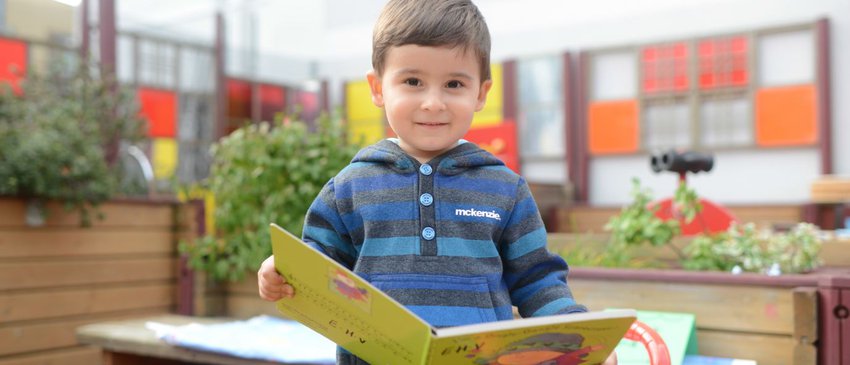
x,y
478,213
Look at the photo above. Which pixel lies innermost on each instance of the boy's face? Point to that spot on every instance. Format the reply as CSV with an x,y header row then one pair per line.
x,y
430,95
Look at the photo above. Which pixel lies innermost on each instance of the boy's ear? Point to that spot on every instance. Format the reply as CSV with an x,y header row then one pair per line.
x,y
482,94
375,88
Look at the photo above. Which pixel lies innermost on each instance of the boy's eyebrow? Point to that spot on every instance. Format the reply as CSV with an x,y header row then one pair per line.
x,y
413,71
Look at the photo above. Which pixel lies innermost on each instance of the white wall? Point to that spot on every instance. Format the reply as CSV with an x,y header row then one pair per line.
x,y
738,177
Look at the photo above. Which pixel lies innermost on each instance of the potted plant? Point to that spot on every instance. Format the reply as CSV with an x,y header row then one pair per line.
x,y
59,138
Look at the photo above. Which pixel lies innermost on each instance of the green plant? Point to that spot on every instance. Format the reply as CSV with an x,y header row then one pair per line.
x,y
262,174
740,246
744,247
637,224
55,137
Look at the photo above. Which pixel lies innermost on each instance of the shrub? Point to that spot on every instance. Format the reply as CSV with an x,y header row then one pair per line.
x,y
262,174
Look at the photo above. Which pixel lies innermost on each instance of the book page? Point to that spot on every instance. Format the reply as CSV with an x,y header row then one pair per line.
x,y
346,309
583,338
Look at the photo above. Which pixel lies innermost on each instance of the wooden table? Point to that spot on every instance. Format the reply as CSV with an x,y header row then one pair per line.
x,y
128,342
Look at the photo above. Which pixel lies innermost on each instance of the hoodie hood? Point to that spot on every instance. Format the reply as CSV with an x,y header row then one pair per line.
x,y
464,156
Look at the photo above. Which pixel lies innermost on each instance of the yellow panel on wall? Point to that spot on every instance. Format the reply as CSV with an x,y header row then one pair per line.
x,y
365,132
358,102
492,113
164,157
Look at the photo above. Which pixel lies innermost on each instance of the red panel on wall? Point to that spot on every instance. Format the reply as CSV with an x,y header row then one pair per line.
x,y
159,107
665,68
309,103
786,116
13,63
723,62
238,99
613,127
500,140
272,101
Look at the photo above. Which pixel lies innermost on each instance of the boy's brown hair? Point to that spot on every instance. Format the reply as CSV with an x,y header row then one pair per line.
x,y
433,23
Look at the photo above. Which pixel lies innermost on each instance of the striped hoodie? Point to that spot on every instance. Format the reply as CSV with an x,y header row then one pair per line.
x,y
457,240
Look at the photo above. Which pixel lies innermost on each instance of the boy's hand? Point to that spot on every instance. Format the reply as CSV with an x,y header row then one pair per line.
x,y
611,360
273,286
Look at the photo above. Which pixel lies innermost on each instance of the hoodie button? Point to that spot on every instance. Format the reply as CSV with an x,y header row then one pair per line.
x,y
426,169
428,233
426,199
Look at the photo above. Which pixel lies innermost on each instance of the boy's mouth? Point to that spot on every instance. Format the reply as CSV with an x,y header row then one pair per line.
x,y
431,124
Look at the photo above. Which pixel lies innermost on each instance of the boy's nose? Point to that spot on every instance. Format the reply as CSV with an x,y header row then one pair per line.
x,y
433,101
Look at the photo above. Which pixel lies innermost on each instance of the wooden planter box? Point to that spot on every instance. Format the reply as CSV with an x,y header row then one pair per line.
x,y
59,276
787,319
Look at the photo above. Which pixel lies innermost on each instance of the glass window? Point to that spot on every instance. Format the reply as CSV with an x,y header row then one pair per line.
x,y
666,124
725,121
541,112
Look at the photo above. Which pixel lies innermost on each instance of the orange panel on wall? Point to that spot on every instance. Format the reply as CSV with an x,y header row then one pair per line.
x,y
613,127
13,63
786,116
159,107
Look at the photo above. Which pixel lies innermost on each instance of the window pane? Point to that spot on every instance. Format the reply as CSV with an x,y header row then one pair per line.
x,y
542,133
725,121
541,112
787,58
667,124
614,76
540,81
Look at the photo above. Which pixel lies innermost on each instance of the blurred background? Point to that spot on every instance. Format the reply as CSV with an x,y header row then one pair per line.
x,y
585,91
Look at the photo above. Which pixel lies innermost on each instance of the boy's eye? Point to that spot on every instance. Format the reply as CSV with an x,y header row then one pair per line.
x,y
412,82
454,84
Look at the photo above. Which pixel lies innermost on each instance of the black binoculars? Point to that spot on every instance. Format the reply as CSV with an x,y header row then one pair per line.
x,y
681,161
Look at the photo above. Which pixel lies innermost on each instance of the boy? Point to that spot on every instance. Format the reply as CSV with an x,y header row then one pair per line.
x,y
437,223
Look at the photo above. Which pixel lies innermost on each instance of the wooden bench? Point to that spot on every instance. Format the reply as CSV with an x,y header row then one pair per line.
x,y
129,342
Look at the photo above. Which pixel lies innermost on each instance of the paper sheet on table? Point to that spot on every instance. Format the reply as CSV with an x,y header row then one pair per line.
x,y
263,338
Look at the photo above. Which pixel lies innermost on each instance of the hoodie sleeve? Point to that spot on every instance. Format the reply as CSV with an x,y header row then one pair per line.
x,y
536,278
325,231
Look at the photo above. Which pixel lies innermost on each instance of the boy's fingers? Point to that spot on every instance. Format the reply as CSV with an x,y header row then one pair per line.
x,y
273,278
276,293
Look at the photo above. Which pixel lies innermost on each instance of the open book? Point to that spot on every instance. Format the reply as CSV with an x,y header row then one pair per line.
x,y
349,311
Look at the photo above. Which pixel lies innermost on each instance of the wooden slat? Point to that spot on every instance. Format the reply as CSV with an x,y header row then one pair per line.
x,y
56,334
718,307
805,315
242,306
84,242
584,219
36,274
81,355
246,286
43,304
765,349
768,215
13,213
835,252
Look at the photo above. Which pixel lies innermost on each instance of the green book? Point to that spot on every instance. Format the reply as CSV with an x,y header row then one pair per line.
x,y
349,311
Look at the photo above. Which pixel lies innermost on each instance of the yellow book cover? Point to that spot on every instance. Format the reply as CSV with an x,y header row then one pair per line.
x,y
349,311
